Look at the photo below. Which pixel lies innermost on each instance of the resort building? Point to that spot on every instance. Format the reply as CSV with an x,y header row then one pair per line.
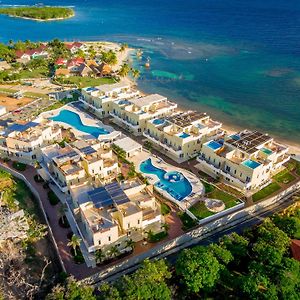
x,y
113,213
77,164
99,99
133,114
246,160
23,142
181,135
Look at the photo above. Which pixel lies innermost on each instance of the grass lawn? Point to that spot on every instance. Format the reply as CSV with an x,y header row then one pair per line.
x,y
187,221
36,95
200,211
82,82
165,209
6,90
265,192
294,166
284,177
228,199
208,187
34,73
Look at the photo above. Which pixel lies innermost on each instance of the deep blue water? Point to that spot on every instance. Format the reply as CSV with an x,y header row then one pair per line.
x,y
74,120
237,60
173,182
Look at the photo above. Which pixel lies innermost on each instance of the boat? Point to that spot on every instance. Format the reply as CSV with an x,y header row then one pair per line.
x,y
139,53
147,64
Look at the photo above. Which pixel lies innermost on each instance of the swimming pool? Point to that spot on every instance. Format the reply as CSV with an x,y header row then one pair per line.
x,y
174,183
213,145
251,163
184,135
73,119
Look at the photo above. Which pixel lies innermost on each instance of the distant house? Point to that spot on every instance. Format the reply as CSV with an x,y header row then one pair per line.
x,y
102,70
295,248
4,65
25,56
61,62
62,72
76,46
22,57
84,70
74,64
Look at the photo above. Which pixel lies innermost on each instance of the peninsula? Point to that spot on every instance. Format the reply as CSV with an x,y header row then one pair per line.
x,y
44,13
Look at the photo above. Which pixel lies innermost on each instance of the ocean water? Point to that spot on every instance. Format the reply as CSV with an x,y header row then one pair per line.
x,y
237,60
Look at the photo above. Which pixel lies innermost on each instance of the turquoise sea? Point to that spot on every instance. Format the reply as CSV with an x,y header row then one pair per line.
x,y
237,60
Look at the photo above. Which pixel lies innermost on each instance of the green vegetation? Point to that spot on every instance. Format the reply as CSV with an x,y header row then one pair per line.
x,y
156,237
38,13
294,166
165,209
266,191
200,211
109,57
255,265
19,166
53,199
284,177
187,221
82,82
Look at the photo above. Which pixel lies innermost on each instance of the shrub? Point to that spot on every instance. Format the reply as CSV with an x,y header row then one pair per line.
x,y
165,209
52,198
19,166
38,178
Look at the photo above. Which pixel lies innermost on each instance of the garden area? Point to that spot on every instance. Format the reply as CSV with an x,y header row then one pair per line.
x,y
82,82
200,210
266,191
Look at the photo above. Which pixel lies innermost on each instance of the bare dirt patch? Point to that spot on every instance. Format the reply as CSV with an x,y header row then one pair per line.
x,y
12,104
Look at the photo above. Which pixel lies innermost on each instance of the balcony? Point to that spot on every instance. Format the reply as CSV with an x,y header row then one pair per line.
x,y
167,147
129,124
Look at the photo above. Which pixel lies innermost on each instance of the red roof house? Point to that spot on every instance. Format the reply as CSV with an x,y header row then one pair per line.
x,y
295,247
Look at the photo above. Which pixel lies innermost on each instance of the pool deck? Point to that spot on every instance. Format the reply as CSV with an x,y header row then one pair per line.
x,y
86,119
197,187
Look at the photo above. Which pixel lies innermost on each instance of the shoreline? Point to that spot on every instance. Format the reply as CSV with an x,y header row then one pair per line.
x,y
40,20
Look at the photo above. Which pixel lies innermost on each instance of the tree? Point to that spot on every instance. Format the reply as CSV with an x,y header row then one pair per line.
x,y
72,290
114,251
223,255
62,212
99,255
108,292
123,47
286,224
6,53
198,269
135,73
130,244
109,57
148,282
92,52
124,70
74,243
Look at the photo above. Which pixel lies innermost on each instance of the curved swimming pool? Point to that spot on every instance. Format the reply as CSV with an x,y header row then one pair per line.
x,y
174,183
73,119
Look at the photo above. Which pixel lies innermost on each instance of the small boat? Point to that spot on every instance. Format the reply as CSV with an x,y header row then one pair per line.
x,y
139,53
147,64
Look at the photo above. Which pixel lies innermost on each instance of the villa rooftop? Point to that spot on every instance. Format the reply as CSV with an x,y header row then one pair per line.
x,y
248,141
147,100
184,119
107,195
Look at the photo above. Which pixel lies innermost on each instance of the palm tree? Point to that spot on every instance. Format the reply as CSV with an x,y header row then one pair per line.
x,y
135,73
99,255
114,251
123,72
165,226
130,244
74,243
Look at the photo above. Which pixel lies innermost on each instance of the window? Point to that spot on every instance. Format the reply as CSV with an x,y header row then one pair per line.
x,y
139,221
109,238
99,242
128,225
34,156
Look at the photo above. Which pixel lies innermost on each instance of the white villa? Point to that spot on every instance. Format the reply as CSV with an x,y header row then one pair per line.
x,y
113,213
99,99
23,142
133,114
181,135
247,160
78,163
